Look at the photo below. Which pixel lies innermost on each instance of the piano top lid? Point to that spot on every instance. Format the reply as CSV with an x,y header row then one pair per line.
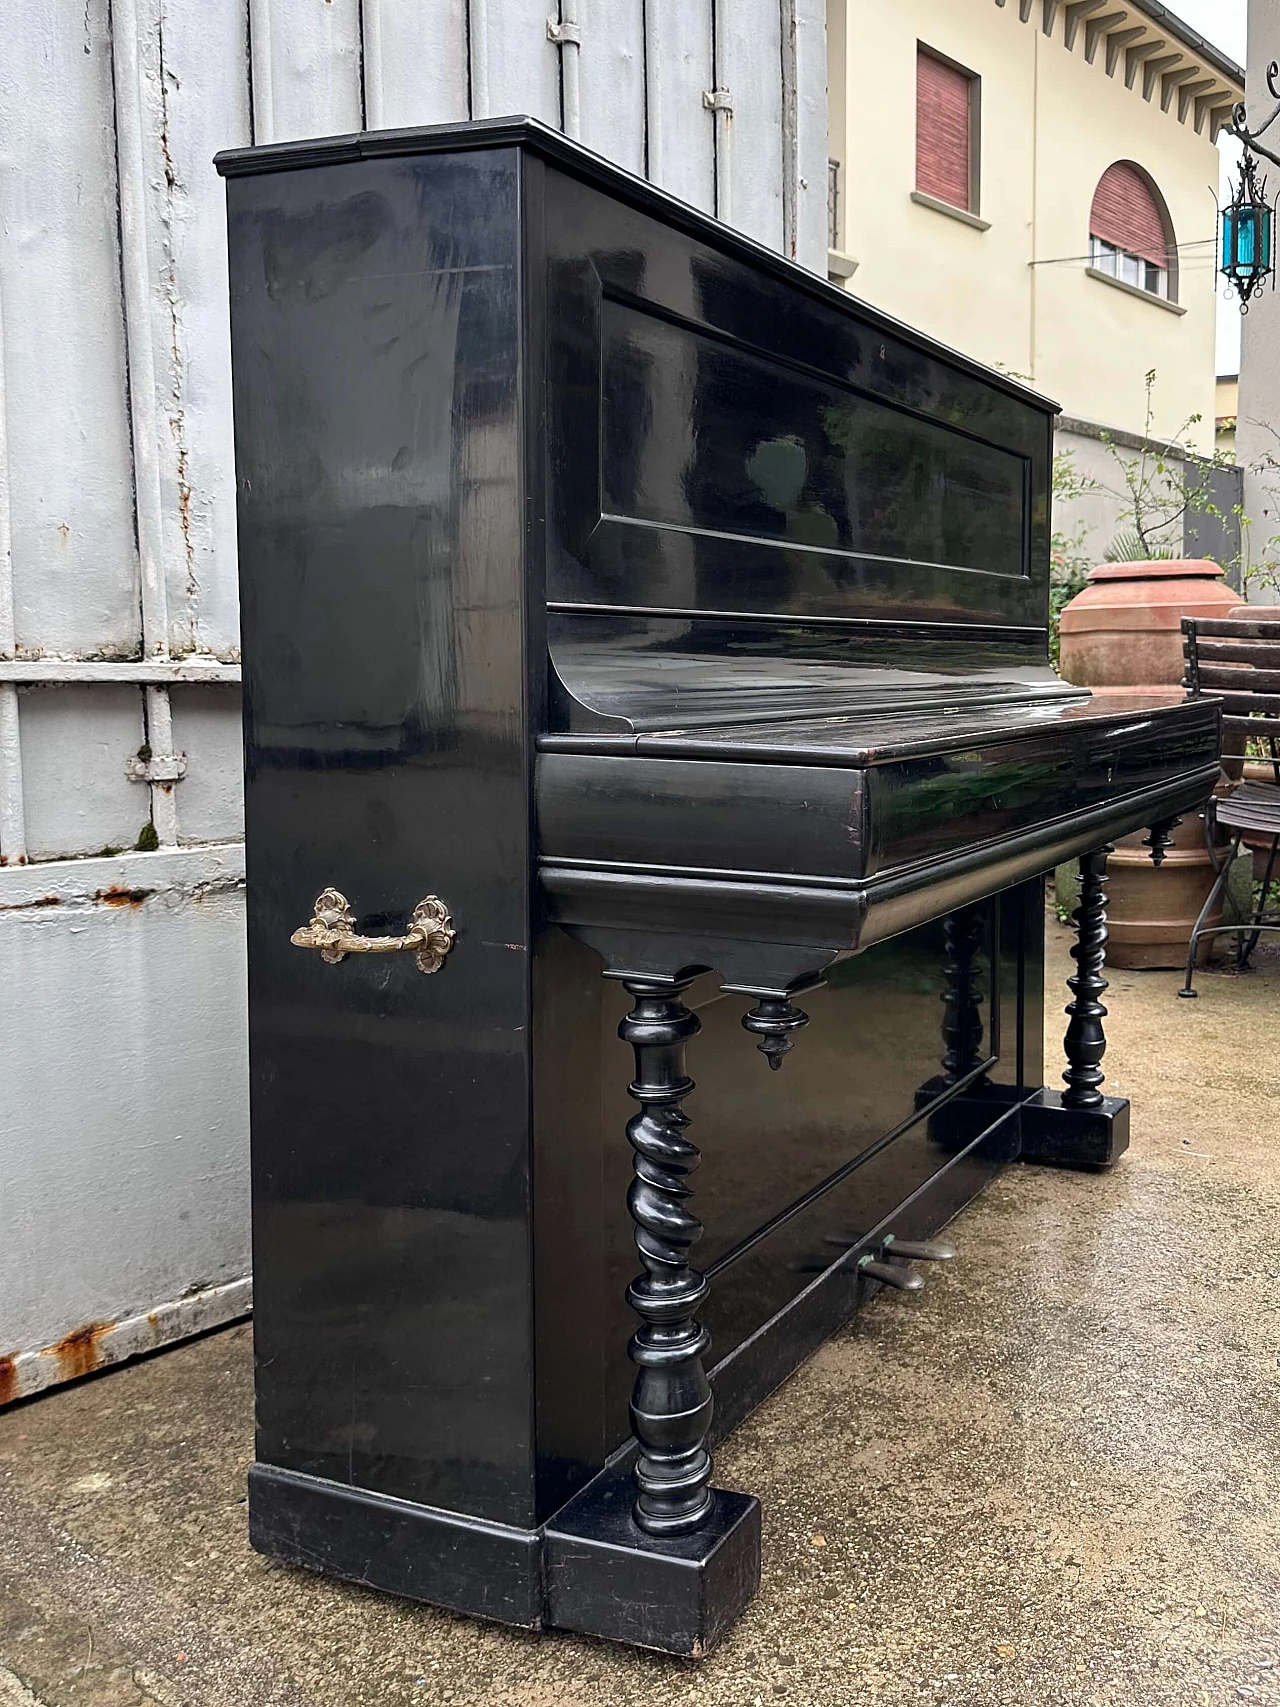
x,y
524,132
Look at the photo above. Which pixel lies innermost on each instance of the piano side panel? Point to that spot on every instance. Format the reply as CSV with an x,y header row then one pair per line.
x,y
869,1060
375,323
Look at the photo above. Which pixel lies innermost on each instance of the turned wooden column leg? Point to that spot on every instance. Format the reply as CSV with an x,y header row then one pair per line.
x,y
1085,1042
671,1401
1079,1126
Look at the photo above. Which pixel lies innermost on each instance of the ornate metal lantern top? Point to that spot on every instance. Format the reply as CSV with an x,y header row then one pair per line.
x,y
1247,248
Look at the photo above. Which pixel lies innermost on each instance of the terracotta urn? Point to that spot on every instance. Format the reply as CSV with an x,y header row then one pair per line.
x,y
1125,629
1123,635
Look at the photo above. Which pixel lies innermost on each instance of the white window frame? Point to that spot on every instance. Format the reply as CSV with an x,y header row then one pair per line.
x,y
1128,268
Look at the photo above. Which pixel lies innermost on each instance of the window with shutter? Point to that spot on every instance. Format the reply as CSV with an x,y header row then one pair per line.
x,y
1130,237
946,146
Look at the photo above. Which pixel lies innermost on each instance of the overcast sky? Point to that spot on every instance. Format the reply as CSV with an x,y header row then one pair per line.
x,y
1223,23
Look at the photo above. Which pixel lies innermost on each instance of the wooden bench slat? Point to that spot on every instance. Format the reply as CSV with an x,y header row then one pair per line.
x,y
1266,703
1242,680
1258,726
1232,628
1241,652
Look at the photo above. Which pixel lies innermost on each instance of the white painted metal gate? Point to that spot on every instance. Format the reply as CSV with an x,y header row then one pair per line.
x,y
123,1121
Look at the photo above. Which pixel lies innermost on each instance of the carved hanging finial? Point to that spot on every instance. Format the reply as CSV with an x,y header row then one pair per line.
x,y
1159,838
775,1019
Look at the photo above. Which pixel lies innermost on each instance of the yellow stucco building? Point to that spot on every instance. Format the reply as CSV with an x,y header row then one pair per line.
x,y
1033,182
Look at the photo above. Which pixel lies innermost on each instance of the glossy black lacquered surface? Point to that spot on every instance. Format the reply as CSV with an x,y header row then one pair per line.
x,y
827,1148
848,796
375,323
669,614
796,462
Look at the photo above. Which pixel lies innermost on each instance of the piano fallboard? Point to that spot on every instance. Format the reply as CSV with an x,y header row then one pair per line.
x,y
840,831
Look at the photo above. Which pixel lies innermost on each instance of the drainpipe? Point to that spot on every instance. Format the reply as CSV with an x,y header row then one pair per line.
x,y
264,117
371,47
567,36
478,50
720,102
161,769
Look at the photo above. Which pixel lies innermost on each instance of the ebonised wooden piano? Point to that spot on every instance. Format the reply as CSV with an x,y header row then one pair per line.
x,y
643,641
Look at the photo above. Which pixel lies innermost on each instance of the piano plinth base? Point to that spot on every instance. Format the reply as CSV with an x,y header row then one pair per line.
x,y
678,1594
1057,1136
446,1558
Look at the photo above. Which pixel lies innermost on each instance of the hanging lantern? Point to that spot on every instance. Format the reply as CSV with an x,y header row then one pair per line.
x,y
1246,233
1246,257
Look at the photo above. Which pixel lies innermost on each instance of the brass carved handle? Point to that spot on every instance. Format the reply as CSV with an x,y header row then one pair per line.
x,y
332,931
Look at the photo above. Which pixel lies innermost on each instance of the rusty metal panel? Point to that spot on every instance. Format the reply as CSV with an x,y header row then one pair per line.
x,y
123,1161
195,95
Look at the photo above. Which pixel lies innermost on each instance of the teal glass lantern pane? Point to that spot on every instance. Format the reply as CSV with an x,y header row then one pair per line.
x,y
1264,239
1246,239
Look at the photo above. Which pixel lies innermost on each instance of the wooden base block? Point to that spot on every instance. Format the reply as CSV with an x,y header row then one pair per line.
x,y
1061,1137
679,1593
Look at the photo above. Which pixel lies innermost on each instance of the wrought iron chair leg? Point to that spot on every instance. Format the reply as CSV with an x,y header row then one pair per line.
x,y
1259,912
1219,884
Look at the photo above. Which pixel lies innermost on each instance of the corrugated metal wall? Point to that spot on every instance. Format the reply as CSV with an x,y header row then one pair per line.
x,y
123,1154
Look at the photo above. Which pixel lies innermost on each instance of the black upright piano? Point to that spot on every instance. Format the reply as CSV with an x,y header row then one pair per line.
x,y
646,682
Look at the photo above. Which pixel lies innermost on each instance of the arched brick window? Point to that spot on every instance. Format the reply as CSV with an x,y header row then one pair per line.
x,y
1130,236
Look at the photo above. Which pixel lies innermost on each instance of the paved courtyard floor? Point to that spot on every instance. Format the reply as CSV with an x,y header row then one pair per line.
x,y
1051,1478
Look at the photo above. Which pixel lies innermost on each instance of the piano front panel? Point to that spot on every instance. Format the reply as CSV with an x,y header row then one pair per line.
x,y
715,442
849,477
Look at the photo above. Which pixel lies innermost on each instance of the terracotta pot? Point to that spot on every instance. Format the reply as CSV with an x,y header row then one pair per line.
x,y
1124,633
1124,630
1151,911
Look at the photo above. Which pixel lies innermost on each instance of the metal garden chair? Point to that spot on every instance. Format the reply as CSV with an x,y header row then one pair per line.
x,y
1238,661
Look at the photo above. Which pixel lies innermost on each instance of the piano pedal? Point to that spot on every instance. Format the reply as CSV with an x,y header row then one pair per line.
x,y
891,1265
901,1250
892,1274
919,1250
